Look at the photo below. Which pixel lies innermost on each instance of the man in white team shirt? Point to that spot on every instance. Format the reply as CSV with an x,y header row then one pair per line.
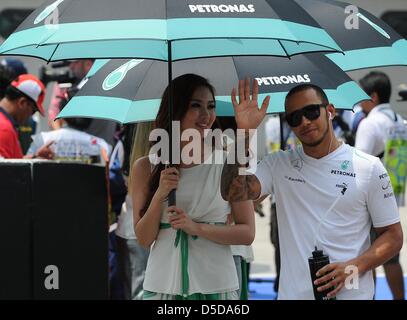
x,y
328,194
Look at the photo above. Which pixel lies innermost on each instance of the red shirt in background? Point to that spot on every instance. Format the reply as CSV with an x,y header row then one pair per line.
x,y
9,144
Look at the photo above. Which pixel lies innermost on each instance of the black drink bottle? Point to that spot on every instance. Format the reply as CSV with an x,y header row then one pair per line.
x,y
316,262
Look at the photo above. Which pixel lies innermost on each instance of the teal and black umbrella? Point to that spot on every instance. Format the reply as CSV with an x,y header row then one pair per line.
x,y
366,40
167,30
130,90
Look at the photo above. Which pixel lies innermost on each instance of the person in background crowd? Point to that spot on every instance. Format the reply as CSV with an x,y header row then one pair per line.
x,y
120,288
71,142
371,138
22,98
132,256
26,130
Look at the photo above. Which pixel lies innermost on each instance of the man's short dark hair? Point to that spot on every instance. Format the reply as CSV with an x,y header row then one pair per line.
x,y
307,86
378,82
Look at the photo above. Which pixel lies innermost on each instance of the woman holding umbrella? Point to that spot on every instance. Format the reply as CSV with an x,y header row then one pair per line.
x,y
191,256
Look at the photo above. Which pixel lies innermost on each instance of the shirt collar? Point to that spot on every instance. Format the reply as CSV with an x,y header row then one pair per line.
x,y
9,117
380,107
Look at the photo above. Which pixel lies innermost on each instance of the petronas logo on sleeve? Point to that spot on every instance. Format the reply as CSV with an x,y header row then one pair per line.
x,y
117,76
374,25
47,11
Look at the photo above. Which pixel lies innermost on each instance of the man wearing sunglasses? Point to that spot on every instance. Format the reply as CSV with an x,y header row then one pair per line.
x,y
328,195
23,97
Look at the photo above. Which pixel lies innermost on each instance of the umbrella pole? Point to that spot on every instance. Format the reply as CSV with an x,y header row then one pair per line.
x,y
282,140
171,195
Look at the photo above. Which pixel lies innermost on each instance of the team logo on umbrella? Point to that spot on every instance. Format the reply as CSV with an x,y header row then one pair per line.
x,y
47,11
305,78
223,8
374,25
117,76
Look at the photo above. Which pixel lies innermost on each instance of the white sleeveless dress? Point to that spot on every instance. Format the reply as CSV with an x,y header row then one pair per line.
x,y
208,266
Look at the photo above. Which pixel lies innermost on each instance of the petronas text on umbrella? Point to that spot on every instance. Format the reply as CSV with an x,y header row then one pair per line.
x,y
267,81
223,8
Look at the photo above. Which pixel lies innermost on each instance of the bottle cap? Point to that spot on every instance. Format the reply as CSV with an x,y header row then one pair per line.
x,y
317,253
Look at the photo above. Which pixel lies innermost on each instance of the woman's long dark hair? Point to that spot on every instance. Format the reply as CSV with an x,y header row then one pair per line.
x,y
183,87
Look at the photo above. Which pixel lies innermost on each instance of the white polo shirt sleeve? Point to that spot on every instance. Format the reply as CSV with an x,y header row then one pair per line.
x,y
37,143
381,202
365,137
264,172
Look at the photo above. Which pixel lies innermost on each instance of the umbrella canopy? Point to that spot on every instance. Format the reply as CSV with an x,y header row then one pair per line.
x,y
130,90
366,40
166,30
